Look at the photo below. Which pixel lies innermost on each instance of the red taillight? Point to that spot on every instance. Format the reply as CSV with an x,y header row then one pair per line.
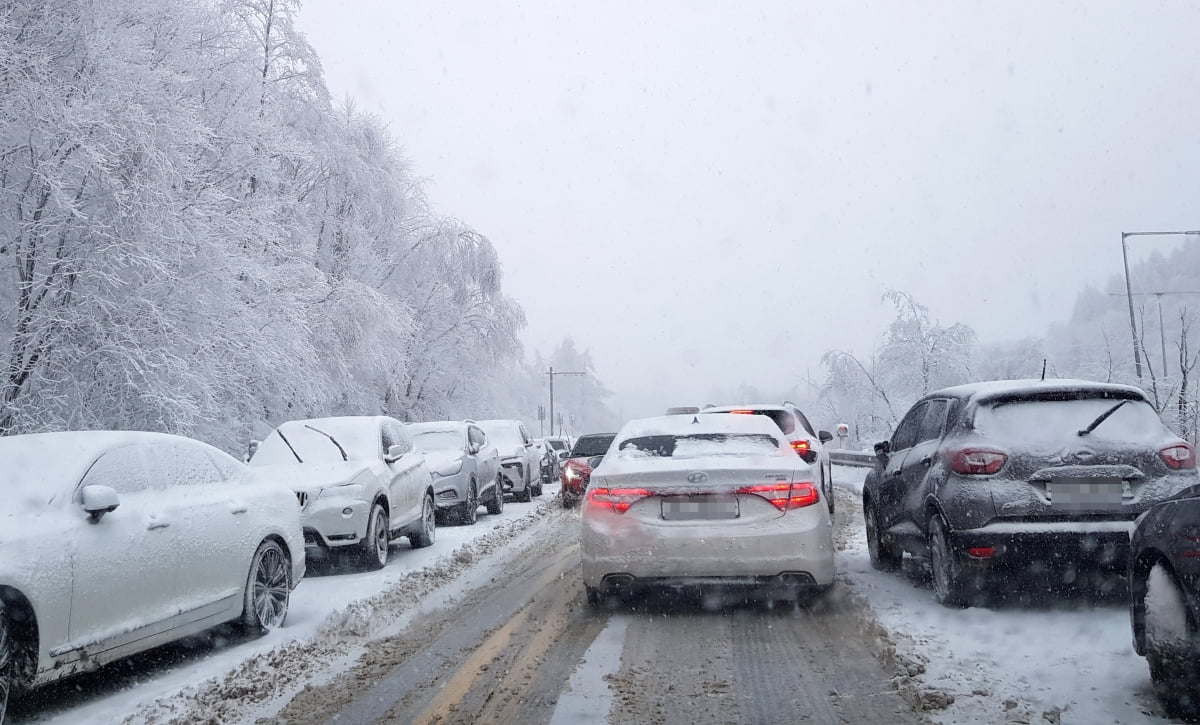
x,y
977,461
1179,456
617,499
784,496
741,412
981,552
801,447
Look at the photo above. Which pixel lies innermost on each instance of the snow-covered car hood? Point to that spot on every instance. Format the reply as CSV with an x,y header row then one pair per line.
x,y
439,459
313,477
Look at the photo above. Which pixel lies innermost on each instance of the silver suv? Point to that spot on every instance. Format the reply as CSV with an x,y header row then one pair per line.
x,y
520,459
465,467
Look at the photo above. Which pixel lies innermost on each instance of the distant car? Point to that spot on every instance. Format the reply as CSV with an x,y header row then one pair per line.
x,y
465,468
1164,587
1017,475
359,481
805,440
560,446
584,456
520,461
710,500
117,542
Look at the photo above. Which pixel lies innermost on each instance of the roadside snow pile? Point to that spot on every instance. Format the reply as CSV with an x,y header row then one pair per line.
x,y
1054,662
275,675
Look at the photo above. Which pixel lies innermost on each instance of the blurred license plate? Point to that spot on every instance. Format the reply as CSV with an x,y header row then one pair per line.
x,y
702,506
1085,493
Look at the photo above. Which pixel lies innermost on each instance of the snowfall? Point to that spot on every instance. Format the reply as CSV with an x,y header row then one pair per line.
x,y
1056,662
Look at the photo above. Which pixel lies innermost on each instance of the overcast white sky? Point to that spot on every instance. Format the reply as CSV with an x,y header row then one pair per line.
x,y
706,194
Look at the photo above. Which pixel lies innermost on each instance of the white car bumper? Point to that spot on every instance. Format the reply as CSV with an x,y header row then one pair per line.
x,y
333,521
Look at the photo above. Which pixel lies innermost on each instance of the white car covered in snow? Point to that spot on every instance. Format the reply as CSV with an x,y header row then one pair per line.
x,y
705,501
359,481
117,542
520,460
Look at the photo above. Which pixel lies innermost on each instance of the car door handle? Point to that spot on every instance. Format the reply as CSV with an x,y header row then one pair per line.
x,y
927,461
157,525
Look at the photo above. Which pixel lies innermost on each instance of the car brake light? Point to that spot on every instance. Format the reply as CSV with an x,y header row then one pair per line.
x,y
617,499
1179,456
977,461
1191,547
784,496
801,447
981,552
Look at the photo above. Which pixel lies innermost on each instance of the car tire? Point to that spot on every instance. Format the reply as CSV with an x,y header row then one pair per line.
x,y
1172,670
268,589
884,557
948,580
8,659
526,495
426,528
374,549
495,504
829,485
594,597
468,511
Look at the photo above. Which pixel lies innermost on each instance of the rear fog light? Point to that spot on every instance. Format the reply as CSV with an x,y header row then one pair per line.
x,y
981,552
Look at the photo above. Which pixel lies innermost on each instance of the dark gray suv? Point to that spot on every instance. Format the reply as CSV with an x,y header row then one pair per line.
x,y
1041,475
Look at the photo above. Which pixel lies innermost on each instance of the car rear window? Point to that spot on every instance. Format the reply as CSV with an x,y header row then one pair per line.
x,y
782,418
592,446
699,444
1042,421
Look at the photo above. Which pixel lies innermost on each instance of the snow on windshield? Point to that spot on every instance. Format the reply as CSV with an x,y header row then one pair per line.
x,y
502,433
698,445
1061,420
359,437
438,440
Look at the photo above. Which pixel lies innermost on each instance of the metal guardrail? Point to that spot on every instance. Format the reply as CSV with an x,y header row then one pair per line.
x,y
859,459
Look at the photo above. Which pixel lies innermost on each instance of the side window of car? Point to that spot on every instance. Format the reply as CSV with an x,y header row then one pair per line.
x,y
804,422
187,464
120,469
906,433
525,437
228,469
476,437
396,436
933,423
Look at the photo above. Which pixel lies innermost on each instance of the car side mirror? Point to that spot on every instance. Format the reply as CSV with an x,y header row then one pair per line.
x,y
473,448
825,436
395,453
882,449
99,500
564,455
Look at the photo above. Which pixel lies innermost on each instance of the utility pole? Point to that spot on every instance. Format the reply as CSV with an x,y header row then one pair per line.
x,y
1137,355
552,372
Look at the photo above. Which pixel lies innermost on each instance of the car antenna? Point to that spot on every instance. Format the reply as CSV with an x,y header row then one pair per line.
x,y
1044,369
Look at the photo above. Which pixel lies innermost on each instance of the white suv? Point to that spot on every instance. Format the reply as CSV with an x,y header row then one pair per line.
x,y
806,440
520,459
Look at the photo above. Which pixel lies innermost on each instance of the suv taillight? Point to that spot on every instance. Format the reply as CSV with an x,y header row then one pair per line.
x,y
784,496
617,499
1179,456
801,447
977,461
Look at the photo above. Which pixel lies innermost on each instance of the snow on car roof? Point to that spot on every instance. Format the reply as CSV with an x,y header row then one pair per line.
x,y
694,424
743,406
42,465
997,388
437,426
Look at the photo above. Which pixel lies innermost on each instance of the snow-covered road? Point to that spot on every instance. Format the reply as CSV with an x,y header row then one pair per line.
x,y
1054,660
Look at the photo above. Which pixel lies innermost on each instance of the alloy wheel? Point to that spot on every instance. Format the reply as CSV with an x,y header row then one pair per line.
x,y
271,590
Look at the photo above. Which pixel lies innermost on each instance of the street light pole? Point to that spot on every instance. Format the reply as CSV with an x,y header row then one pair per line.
x,y
552,372
1137,355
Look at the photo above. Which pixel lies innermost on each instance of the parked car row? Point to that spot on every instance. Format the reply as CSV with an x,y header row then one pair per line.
x,y
118,542
1056,477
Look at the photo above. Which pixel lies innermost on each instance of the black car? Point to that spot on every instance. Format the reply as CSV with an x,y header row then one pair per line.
x,y
1045,476
1164,602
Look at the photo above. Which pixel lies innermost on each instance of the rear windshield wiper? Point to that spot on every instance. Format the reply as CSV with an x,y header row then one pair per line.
x,y
1101,418
289,445
331,438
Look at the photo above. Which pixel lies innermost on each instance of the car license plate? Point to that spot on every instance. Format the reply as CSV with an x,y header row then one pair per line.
x,y
1079,494
699,507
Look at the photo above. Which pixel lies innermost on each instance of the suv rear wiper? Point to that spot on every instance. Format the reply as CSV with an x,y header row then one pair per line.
x,y
1101,418
332,439
289,445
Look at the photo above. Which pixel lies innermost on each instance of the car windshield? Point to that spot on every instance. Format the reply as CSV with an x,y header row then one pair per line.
x,y
1057,422
698,445
591,445
438,440
781,418
360,440
557,445
503,434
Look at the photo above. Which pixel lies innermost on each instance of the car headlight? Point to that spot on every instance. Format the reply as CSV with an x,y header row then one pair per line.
x,y
344,490
449,469
571,474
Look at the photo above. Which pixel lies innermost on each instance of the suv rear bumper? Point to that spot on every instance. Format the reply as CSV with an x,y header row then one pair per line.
x,y
1054,543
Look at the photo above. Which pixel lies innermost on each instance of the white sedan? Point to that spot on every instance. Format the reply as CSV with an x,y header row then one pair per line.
x,y
709,500
117,542
359,481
